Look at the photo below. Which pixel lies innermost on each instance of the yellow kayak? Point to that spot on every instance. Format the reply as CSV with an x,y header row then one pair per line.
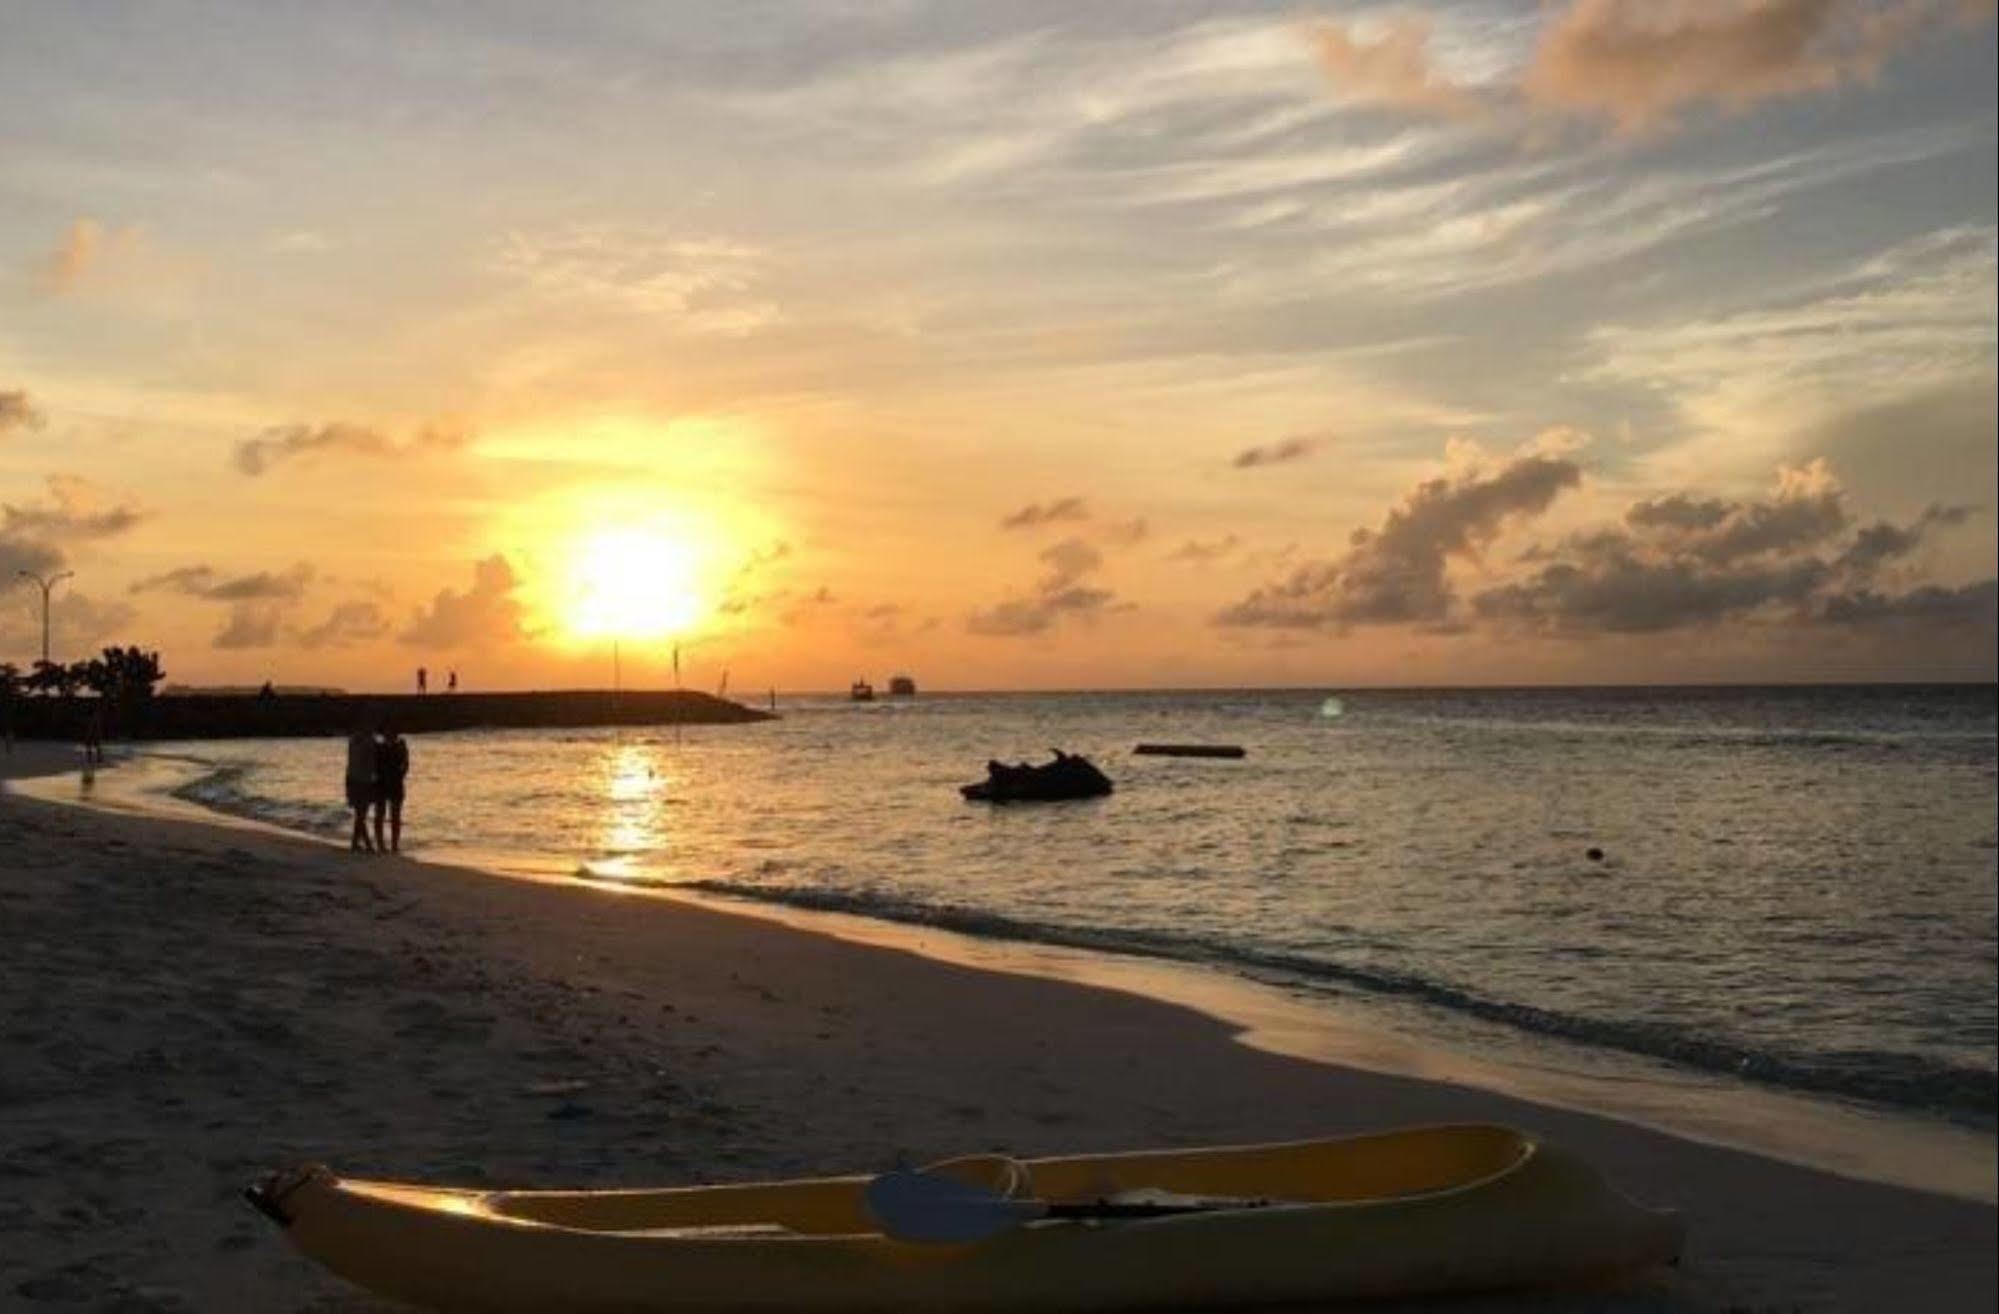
x,y
1424,1211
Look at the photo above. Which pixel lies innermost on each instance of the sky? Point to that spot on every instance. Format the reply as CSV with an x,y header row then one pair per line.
x,y
1140,343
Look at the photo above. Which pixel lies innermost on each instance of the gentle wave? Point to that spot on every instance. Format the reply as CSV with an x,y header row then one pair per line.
x,y
1964,1095
224,790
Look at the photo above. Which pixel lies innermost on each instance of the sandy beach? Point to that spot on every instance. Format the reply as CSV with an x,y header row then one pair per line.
x,y
186,1006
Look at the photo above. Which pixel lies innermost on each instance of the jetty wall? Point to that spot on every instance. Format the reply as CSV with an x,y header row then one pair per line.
x,y
251,716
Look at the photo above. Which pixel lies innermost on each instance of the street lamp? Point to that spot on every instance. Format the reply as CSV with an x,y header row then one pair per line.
x,y
47,585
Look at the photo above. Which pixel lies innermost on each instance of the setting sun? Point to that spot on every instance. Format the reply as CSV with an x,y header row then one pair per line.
x,y
631,583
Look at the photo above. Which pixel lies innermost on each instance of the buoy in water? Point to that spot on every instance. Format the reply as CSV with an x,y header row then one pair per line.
x,y
1594,855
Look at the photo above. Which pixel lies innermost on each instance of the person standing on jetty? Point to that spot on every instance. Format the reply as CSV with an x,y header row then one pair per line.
x,y
423,679
392,768
360,785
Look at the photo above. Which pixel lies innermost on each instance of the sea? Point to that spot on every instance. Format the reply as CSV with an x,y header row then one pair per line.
x,y
1789,889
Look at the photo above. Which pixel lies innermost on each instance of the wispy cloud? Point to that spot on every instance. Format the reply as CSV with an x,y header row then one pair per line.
x,y
1278,453
75,509
206,582
1201,552
275,446
1037,514
1392,68
1916,316
705,285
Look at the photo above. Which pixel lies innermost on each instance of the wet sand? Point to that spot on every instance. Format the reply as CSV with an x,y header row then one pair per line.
x,y
184,1006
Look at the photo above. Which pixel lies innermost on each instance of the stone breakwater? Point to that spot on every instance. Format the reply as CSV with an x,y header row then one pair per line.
x,y
249,716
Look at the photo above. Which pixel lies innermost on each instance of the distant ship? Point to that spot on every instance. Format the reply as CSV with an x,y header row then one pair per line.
x,y
862,692
901,686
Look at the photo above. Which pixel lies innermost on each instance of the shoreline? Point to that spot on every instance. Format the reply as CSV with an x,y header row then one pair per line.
x,y
233,1000
1803,1129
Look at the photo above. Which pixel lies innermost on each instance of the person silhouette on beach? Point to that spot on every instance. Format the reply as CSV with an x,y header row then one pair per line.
x,y
392,769
451,682
423,679
360,786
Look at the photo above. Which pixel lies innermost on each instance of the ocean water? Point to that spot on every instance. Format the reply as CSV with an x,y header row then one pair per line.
x,y
1797,886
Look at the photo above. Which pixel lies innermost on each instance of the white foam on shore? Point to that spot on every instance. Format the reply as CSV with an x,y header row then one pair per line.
x,y
1846,1139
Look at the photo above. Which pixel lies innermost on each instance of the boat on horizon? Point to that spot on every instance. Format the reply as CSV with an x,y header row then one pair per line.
x,y
901,686
861,692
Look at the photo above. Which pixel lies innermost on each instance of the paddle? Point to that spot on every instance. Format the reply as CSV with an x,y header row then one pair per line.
x,y
935,1209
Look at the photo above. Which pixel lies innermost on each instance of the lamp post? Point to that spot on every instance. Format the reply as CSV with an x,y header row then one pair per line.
x,y
47,585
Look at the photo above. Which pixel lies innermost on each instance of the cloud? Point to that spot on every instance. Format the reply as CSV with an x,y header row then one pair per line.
x,y
488,612
1397,574
1683,562
90,253
75,510
1394,68
1291,449
206,582
259,601
17,412
349,623
255,624
1972,607
1638,63
1915,317
1127,533
281,443
31,555
1882,542
1201,553
704,285
77,621
1060,594
1036,514
1809,507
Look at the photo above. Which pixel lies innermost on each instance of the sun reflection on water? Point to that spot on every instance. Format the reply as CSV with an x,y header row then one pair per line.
x,y
637,788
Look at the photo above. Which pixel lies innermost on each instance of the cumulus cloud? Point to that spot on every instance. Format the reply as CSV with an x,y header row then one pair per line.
x,y
1036,514
259,601
1683,562
1640,62
1062,593
254,624
1291,449
281,443
349,623
488,612
75,509
17,412
1397,573
1393,68
77,621
1808,508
